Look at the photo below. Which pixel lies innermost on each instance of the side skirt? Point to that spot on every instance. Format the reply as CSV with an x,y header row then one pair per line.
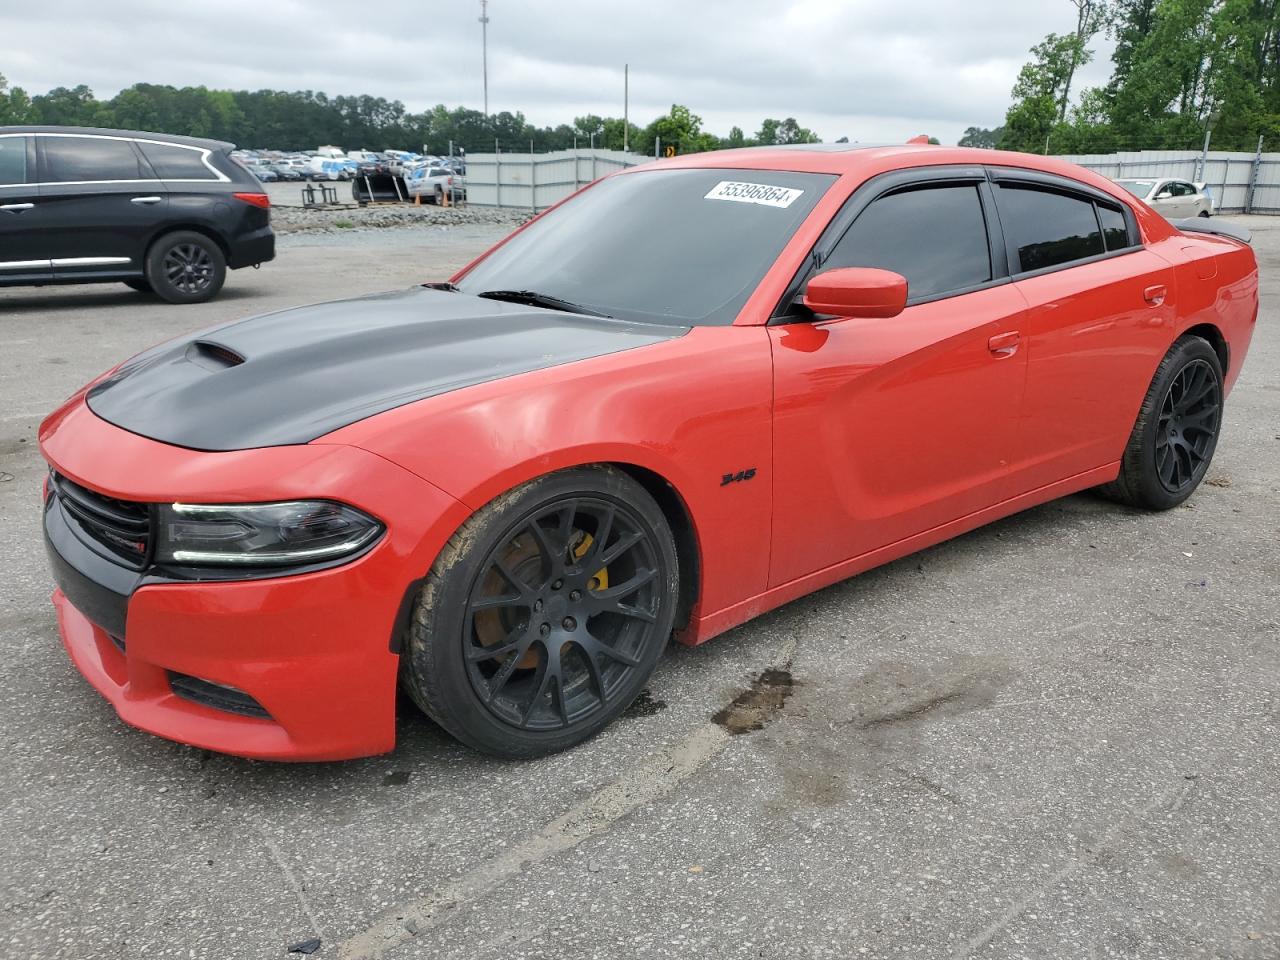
x,y
703,627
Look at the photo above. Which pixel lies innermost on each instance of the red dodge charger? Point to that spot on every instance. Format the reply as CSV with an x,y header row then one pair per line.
x,y
692,392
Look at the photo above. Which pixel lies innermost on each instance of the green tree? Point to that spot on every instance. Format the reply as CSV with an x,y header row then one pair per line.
x,y
15,105
1039,90
981,137
683,128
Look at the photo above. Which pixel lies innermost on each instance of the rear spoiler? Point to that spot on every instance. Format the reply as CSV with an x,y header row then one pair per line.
x,y
1219,228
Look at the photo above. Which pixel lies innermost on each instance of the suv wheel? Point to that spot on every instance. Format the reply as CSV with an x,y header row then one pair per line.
x,y
186,267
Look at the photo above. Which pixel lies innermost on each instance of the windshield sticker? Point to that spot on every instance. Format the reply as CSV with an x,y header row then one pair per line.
x,y
760,193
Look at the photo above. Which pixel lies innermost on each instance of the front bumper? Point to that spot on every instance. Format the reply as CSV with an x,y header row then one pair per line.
x,y
315,651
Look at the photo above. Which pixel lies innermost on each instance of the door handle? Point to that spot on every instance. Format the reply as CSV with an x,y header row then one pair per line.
x,y
16,207
1005,344
1155,294
146,201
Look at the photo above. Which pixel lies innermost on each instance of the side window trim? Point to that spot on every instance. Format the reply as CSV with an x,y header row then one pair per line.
x,y
42,170
896,181
1080,191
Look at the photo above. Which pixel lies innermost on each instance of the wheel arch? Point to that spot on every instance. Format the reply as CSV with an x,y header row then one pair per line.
x,y
1211,333
680,519
171,228
673,504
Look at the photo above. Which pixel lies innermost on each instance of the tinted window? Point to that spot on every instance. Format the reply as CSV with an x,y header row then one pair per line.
x,y
936,237
176,163
1114,228
75,159
13,160
658,246
1049,228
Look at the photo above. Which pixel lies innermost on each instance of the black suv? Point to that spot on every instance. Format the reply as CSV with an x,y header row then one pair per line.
x,y
162,214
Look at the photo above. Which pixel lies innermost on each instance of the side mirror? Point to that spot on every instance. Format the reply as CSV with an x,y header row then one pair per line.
x,y
857,292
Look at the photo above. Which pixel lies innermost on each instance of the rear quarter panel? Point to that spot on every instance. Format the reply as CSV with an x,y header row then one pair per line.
x,y
1217,285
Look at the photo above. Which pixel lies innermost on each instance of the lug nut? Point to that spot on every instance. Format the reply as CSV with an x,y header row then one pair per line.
x,y
575,596
569,623
537,606
545,630
557,585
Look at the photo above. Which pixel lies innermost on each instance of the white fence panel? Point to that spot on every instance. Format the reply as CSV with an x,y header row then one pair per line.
x,y
535,181
1238,181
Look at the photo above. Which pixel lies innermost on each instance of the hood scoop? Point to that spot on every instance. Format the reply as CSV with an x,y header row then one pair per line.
x,y
212,356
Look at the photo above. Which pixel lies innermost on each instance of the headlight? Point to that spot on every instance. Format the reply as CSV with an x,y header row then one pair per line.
x,y
262,534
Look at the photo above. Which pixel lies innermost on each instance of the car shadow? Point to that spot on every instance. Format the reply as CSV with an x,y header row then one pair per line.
x,y
73,298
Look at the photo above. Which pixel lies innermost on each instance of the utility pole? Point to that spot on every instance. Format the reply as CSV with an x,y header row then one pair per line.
x,y
484,49
626,103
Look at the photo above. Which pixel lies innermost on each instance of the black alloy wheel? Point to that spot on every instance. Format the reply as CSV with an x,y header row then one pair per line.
x,y
1173,441
189,268
545,615
1187,428
557,620
186,267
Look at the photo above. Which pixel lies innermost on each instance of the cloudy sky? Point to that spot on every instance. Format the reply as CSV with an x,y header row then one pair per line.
x,y
866,69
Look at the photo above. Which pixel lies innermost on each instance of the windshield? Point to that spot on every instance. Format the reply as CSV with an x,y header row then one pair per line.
x,y
664,246
1139,188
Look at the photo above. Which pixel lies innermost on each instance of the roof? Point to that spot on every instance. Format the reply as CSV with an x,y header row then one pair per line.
x,y
131,134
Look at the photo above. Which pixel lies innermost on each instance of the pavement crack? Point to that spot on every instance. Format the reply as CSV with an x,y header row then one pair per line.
x,y
291,880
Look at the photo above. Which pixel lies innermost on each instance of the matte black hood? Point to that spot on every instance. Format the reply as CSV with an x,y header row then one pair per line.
x,y
293,376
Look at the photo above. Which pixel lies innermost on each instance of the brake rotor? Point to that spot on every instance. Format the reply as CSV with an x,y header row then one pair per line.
x,y
524,560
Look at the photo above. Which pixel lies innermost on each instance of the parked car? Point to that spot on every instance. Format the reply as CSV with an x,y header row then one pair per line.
x,y
284,171
162,214
1171,197
263,171
432,182
696,390
331,168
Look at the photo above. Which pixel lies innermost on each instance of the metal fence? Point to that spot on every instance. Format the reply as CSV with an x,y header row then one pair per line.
x,y
1239,182
535,181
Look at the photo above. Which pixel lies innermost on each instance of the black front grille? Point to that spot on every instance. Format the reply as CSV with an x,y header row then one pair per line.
x,y
216,695
121,526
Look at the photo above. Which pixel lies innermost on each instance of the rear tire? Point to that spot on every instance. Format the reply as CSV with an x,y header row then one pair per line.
x,y
439,197
1204,213
571,579
186,267
1174,438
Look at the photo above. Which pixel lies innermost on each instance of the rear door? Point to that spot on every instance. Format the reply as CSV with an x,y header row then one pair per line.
x,y
23,258
101,204
1100,314
887,428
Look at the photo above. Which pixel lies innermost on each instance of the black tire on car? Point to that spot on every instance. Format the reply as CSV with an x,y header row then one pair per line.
x,y
186,267
439,197
545,614
1173,440
142,286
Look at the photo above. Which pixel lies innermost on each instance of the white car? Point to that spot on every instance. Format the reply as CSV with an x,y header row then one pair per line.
x,y
1172,198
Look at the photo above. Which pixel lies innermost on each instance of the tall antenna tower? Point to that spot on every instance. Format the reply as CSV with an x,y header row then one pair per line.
x,y
484,48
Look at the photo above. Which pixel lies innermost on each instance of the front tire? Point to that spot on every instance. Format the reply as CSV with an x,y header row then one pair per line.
x,y
1173,441
545,614
186,267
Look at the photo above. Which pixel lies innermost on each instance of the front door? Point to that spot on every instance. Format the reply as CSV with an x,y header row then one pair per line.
x,y
887,428
23,258
101,205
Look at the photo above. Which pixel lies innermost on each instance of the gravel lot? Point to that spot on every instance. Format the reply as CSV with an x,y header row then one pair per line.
x,y
1055,737
289,216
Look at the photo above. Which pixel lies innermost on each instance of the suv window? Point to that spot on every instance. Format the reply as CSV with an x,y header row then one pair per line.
x,y
13,160
936,237
1048,228
172,162
80,159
